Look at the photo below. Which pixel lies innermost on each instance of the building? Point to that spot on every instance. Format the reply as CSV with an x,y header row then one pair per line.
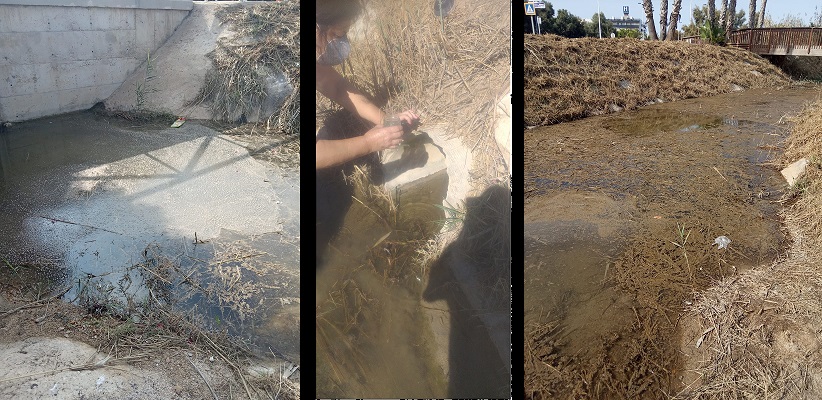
x,y
626,22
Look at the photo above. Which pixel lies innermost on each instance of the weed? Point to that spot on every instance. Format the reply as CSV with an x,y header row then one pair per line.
x,y
683,240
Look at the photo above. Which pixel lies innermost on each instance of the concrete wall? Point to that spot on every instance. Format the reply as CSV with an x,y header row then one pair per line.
x,y
61,56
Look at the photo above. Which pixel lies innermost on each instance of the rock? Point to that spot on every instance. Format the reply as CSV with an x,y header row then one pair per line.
x,y
405,166
794,171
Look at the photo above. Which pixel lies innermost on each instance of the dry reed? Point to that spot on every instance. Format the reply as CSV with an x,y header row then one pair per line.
x,y
567,79
756,335
268,44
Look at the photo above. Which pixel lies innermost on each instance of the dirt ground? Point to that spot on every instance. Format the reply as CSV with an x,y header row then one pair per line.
x,y
621,216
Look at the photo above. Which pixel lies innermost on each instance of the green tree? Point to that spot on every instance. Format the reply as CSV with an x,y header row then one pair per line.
x,y
592,28
629,33
547,16
568,25
700,18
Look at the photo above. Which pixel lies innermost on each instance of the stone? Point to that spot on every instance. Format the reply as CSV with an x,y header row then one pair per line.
x,y
794,171
405,166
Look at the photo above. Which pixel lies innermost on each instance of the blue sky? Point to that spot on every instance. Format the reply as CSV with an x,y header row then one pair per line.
x,y
777,9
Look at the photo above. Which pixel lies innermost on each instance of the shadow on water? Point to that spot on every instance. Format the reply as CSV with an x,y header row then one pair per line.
x,y
99,205
473,276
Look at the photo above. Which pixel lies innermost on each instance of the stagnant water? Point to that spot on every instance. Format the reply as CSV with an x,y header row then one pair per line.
x,y
647,180
372,336
115,209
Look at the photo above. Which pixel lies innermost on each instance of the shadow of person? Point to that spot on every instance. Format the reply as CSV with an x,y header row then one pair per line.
x,y
473,276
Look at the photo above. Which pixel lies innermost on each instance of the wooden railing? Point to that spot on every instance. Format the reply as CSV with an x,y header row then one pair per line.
x,y
779,41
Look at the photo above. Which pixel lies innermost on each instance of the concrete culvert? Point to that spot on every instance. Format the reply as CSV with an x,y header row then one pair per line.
x,y
235,62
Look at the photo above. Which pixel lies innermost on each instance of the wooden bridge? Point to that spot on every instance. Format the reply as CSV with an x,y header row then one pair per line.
x,y
779,41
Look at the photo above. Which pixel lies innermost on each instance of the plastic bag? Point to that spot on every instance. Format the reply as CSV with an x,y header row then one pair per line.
x,y
723,242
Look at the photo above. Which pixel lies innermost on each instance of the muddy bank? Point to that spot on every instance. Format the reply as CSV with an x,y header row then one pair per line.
x,y
759,331
622,212
567,79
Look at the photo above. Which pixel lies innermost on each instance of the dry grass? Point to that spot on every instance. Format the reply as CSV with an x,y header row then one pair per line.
x,y
756,336
567,79
269,43
453,70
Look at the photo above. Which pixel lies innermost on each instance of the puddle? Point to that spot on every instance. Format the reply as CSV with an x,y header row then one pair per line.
x,y
621,213
372,336
113,209
649,121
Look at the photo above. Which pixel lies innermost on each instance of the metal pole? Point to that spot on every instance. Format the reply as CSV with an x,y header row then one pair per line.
x,y
539,28
531,17
599,19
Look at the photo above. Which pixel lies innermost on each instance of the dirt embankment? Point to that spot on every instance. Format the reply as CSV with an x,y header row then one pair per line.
x,y
567,79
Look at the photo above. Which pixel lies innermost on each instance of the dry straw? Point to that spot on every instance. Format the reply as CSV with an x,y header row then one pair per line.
x,y
453,70
756,336
269,44
567,79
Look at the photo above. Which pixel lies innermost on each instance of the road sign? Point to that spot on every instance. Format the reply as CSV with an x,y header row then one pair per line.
x,y
529,9
539,4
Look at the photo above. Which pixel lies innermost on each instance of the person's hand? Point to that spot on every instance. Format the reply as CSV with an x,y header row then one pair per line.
x,y
381,138
409,116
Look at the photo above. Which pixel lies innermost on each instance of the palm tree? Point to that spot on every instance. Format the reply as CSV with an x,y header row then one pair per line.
x,y
712,12
752,14
731,17
762,14
723,16
674,19
649,16
663,18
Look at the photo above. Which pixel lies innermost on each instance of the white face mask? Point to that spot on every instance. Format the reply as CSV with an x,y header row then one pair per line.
x,y
336,51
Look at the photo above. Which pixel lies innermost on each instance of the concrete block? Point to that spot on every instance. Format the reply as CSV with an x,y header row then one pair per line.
x,y
795,171
405,166
144,30
26,79
59,57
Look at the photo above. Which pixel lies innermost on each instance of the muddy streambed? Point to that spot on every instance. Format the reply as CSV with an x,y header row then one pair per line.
x,y
372,335
118,212
621,215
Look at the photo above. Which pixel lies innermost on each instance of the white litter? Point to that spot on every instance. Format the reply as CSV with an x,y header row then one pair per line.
x,y
722,241
100,381
54,389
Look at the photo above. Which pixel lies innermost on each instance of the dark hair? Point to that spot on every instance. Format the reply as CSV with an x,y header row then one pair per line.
x,y
331,12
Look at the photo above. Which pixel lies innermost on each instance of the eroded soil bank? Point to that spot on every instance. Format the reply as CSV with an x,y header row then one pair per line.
x,y
622,213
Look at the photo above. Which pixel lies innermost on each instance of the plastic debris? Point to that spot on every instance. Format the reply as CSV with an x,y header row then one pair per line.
x,y
178,123
100,381
723,242
54,389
